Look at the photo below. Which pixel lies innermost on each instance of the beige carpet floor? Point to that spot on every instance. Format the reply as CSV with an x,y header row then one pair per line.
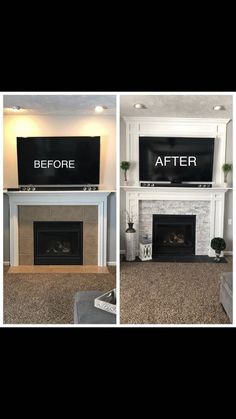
x,y
172,293
48,299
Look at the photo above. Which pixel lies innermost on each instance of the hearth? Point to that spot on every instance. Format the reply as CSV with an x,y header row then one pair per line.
x,y
58,243
174,234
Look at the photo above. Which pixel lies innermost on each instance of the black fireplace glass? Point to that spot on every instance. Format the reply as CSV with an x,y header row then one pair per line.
x,y
58,243
174,234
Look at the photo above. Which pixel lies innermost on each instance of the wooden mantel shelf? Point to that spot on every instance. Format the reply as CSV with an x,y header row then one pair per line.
x,y
58,269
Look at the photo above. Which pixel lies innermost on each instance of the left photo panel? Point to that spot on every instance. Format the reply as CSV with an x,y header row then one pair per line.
x,y
59,209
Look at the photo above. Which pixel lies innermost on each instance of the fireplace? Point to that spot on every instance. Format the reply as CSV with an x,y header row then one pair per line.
x,y
58,243
174,234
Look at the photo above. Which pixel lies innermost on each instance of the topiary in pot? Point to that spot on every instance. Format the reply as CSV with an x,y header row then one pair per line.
x,y
125,165
227,167
218,244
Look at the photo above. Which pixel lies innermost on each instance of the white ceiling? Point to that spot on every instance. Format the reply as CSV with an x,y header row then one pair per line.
x,y
59,104
182,106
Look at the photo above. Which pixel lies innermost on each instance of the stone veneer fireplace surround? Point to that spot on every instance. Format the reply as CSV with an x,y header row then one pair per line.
x,y
207,205
201,209
49,200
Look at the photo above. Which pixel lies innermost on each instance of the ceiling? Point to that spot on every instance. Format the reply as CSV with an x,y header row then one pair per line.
x,y
182,106
59,104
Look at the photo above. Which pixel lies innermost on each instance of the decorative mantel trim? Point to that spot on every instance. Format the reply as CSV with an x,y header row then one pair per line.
x,y
215,197
175,127
98,198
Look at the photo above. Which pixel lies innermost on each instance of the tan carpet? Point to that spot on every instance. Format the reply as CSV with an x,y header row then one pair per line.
x,y
48,299
172,293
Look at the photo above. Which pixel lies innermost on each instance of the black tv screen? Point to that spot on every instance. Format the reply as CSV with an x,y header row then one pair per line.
x,y
175,159
58,160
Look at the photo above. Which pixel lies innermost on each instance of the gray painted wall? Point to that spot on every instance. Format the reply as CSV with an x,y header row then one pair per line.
x,y
228,229
6,229
111,236
122,193
111,227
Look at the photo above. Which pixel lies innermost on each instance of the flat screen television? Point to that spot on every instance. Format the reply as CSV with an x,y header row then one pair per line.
x,y
175,159
51,161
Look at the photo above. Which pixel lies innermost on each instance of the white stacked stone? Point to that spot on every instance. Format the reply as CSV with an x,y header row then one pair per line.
x,y
199,208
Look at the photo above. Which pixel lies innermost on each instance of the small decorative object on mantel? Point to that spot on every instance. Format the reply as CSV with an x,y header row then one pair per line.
x,y
125,165
145,249
218,244
130,239
227,167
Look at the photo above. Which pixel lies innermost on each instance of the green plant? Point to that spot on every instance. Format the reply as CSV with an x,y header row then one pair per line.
x,y
227,167
125,165
218,244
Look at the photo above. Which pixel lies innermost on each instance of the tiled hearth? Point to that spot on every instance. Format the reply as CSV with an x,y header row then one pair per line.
x,y
87,207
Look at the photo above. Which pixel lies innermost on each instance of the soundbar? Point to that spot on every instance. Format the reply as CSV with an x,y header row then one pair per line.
x,y
175,185
59,188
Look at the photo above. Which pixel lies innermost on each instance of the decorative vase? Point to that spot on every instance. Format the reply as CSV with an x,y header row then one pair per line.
x,y
130,229
130,242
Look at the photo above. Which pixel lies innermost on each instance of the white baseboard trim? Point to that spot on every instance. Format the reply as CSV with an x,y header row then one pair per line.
x,y
122,252
6,263
111,263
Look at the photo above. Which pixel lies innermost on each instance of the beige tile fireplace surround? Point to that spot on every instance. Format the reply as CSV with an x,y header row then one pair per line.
x,y
88,207
27,214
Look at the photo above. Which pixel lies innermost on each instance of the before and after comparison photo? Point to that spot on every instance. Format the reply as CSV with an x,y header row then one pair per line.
x,y
117,209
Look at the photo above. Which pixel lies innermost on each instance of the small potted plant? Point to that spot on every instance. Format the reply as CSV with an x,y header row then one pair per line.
x,y
218,244
227,167
125,165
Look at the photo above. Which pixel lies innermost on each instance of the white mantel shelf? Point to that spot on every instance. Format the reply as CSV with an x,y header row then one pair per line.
x,y
174,189
53,192
98,198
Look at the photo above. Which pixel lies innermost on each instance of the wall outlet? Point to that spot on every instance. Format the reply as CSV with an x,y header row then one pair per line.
x,y
229,221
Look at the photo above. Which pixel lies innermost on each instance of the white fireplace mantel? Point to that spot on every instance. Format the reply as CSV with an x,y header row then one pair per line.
x,y
98,198
213,195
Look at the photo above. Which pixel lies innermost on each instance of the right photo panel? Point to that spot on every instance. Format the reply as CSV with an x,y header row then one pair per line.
x,y
176,215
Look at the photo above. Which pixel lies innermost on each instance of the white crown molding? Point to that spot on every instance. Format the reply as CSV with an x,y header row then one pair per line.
x,y
176,120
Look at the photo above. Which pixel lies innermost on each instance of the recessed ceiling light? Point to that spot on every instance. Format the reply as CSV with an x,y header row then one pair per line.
x,y
139,106
17,108
218,108
100,108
